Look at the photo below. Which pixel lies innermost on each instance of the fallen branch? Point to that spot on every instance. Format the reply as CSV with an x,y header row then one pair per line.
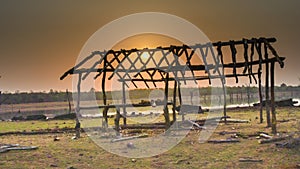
x,y
227,132
271,140
249,159
196,124
234,121
8,147
144,126
53,131
224,141
289,144
129,138
266,136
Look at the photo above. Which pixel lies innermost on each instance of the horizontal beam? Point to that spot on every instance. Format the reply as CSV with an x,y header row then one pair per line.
x,y
179,68
187,78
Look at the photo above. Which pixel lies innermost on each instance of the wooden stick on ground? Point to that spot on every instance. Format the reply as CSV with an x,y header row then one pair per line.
x,y
249,159
273,139
224,141
16,147
129,138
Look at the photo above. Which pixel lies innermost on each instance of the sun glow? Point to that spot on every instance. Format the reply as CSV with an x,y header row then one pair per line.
x,y
145,56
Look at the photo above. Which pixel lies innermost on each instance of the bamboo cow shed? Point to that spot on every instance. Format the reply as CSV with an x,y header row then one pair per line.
x,y
257,54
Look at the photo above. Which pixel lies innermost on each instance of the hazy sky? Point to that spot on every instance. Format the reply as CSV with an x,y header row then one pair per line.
x,y
40,40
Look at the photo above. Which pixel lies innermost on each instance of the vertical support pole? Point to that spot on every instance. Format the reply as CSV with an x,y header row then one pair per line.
x,y
225,102
68,98
166,111
274,130
260,97
267,102
0,98
124,103
267,87
117,121
179,94
105,110
180,100
174,101
77,126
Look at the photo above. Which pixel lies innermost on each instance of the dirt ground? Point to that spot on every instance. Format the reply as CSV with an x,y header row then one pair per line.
x,y
189,153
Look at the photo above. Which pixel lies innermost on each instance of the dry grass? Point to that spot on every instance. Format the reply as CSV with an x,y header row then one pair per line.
x,y
83,153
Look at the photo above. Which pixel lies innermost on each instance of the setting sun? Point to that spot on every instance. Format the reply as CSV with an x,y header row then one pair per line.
x,y
145,56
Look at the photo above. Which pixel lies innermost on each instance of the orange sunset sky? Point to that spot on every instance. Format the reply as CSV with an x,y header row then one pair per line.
x,y
40,40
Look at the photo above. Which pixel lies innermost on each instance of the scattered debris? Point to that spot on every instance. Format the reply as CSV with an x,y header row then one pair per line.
x,y
186,109
41,131
241,135
249,159
227,132
74,138
129,138
275,139
181,161
130,145
266,136
8,147
36,117
65,116
53,165
289,144
144,126
17,118
228,140
234,121
56,138
196,124
282,121
280,103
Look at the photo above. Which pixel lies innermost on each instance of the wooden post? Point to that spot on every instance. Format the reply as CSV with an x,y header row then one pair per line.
x,y
117,121
105,110
174,101
180,101
124,102
77,126
69,101
166,111
179,93
274,130
267,86
0,97
260,97
225,102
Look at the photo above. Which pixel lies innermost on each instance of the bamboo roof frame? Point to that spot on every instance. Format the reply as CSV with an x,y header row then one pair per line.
x,y
259,46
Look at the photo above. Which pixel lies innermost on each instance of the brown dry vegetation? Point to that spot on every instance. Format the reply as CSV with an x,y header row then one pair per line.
x,y
83,153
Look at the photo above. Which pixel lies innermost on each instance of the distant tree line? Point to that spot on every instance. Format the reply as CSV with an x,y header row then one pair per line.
x,y
61,96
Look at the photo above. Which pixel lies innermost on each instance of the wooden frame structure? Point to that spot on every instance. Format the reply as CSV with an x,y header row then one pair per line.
x,y
167,67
